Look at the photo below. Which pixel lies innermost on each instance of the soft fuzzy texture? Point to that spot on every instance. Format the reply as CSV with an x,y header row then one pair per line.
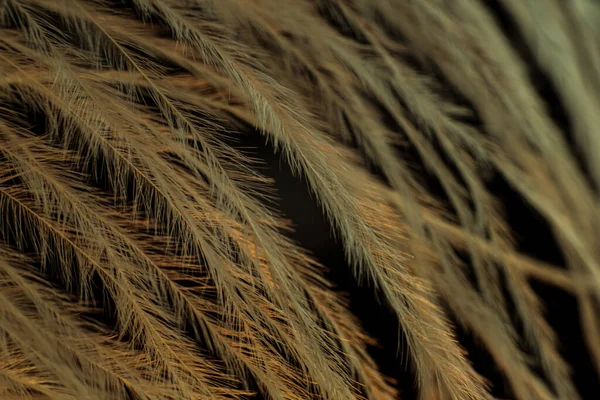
x,y
141,257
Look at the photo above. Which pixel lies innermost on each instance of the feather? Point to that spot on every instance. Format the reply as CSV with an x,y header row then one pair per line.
x,y
142,252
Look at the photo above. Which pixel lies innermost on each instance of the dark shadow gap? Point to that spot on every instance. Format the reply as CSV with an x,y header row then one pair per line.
x,y
313,233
